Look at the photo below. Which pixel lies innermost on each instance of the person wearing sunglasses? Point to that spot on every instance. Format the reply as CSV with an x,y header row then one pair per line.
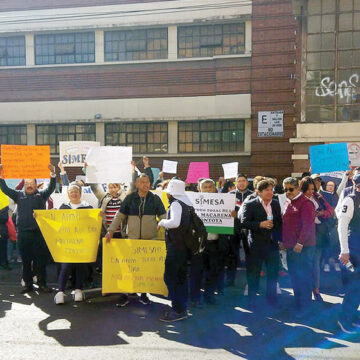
x,y
298,239
349,237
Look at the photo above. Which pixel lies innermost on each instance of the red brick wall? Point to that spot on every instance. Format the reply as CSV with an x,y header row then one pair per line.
x,y
273,56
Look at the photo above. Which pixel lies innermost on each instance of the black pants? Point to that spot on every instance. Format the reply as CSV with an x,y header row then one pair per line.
x,y
233,259
300,267
211,267
34,253
3,249
254,261
196,276
175,277
351,300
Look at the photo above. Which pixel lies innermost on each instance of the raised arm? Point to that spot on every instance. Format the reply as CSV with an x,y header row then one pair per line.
x,y
50,189
12,194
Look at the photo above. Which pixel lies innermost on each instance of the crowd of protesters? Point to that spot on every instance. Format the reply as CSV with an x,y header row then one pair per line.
x,y
302,226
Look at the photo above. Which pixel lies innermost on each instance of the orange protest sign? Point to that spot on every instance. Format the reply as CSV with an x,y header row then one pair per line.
x,y
25,161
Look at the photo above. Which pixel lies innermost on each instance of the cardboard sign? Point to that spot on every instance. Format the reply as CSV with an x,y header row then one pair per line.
x,y
109,164
230,170
4,200
73,153
354,153
25,161
169,167
72,236
196,171
134,266
329,158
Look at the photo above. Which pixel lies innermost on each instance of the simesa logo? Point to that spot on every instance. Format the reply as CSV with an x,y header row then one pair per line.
x,y
203,201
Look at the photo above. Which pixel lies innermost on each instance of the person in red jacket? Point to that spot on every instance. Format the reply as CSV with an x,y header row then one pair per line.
x,y
298,238
323,211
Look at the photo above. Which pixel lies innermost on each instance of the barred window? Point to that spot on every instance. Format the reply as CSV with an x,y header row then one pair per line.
x,y
52,134
333,61
145,138
13,134
66,48
142,44
12,51
213,136
211,40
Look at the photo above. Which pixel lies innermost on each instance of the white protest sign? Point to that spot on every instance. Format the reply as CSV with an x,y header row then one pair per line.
x,y
214,210
230,170
73,153
109,164
354,153
169,167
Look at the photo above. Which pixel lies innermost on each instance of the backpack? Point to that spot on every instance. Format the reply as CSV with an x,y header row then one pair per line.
x,y
196,234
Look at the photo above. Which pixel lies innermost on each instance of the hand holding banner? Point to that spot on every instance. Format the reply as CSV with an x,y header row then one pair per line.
x,y
72,236
73,153
25,161
134,266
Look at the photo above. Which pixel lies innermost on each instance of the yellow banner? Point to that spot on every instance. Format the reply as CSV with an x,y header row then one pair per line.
x,y
131,265
4,200
72,236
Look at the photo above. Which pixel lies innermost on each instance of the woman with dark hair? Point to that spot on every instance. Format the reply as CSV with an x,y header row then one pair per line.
x,y
323,211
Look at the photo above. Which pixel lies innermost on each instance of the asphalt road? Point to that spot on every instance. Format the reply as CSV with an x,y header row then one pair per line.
x,y
33,327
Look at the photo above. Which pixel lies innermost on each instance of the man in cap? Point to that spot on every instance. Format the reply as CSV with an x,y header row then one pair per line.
x,y
177,225
349,237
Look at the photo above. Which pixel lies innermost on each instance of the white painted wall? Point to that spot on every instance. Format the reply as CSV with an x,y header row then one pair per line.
x,y
141,14
148,109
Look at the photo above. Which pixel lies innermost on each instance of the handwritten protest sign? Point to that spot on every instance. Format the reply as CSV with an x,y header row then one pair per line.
x,y
72,236
329,157
134,266
354,153
230,170
196,171
73,153
109,164
4,200
25,161
169,167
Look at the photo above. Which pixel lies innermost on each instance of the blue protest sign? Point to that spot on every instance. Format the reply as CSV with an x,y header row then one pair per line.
x,y
329,157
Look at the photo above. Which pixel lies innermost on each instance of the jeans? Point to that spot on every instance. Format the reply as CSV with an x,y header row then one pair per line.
x,y
78,269
34,253
175,277
300,267
352,292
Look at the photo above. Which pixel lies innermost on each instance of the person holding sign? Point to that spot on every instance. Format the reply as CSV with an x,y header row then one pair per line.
x,y
139,212
74,194
31,243
176,225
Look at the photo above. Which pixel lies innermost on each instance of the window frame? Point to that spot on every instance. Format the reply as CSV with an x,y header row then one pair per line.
x,y
8,129
9,48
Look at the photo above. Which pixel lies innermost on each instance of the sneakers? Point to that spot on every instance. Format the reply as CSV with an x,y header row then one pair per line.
x,y
144,299
27,289
172,316
123,300
45,289
78,295
337,267
59,298
346,327
326,268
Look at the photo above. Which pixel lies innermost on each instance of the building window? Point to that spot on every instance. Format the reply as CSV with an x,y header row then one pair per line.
x,y
333,61
211,40
145,138
67,48
142,44
211,136
12,51
13,134
52,134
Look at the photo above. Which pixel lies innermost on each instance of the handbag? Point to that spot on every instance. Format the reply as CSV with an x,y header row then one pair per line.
x,y
11,230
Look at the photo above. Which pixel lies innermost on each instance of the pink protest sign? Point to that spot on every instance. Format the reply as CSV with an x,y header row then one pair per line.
x,y
196,171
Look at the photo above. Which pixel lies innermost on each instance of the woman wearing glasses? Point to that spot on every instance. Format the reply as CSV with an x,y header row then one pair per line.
x,y
299,241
